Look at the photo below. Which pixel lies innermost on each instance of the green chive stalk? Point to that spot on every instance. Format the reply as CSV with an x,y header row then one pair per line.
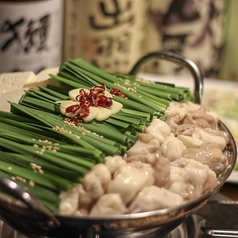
x,y
46,153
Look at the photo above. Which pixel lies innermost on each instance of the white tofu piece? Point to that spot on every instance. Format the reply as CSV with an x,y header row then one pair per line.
x,y
16,80
12,96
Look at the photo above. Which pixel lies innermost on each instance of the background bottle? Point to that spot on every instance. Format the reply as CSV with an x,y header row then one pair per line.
x,y
30,35
195,29
229,69
110,34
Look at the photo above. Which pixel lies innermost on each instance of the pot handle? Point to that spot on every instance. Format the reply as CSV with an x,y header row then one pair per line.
x,y
13,189
180,60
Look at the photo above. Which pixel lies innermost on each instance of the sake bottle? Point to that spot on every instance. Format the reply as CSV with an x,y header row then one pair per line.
x,y
108,34
31,35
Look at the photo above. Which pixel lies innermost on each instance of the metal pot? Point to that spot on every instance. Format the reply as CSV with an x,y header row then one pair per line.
x,y
25,214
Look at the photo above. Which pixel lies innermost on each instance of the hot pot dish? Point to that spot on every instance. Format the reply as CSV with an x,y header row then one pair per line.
x,y
103,152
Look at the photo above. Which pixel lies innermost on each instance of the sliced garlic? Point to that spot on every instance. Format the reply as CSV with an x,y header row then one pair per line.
x,y
107,94
75,92
65,104
103,114
94,111
116,107
97,113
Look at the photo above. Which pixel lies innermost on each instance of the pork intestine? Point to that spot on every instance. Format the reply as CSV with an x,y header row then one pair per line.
x,y
171,163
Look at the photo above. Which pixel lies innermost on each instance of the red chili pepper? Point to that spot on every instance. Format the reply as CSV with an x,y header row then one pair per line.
x,y
84,111
75,119
73,108
104,101
117,92
96,97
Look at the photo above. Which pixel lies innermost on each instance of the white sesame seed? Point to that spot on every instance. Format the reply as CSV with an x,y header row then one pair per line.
x,y
31,183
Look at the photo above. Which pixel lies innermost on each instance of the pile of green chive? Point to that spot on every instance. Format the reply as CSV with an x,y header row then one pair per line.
x,y
45,153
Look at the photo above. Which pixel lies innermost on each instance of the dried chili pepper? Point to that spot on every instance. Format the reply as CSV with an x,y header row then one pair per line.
x,y
95,98
117,92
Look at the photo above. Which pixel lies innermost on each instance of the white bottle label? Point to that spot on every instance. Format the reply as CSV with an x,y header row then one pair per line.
x,y
109,34
30,35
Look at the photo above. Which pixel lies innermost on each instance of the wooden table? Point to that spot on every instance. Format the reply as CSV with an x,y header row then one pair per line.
x,y
230,190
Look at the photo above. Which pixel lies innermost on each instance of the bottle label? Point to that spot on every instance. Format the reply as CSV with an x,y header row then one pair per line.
x,y
110,34
190,28
30,35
